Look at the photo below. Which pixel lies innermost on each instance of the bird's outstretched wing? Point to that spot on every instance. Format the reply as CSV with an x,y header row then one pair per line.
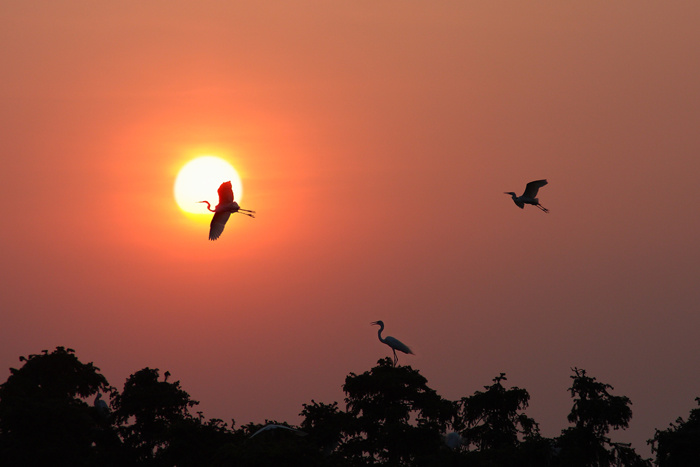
x,y
225,193
218,223
532,188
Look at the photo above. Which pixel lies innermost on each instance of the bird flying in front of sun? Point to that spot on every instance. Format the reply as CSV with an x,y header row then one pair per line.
x,y
199,179
223,210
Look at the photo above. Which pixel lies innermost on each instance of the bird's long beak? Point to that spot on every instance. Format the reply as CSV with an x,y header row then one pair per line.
x,y
373,322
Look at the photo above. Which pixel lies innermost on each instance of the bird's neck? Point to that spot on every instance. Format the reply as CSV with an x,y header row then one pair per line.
x,y
379,333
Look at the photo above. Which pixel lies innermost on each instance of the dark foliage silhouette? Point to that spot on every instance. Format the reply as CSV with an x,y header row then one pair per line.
x,y
149,412
194,441
679,445
327,426
497,430
396,418
254,446
391,417
594,414
41,406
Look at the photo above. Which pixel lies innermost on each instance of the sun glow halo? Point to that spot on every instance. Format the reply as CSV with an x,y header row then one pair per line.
x,y
199,179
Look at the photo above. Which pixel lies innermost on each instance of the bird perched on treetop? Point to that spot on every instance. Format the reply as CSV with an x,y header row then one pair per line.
x,y
392,342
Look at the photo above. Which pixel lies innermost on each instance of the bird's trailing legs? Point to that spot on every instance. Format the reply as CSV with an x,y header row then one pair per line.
x,y
542,207
246,212
396,358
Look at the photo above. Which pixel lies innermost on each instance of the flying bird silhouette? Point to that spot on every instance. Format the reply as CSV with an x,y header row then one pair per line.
x,y
223,210
392,342
530,195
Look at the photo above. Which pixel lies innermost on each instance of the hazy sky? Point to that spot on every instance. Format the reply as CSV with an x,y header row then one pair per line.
x,y
375,140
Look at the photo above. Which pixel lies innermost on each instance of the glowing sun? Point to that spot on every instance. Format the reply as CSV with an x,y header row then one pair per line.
x,y
199,179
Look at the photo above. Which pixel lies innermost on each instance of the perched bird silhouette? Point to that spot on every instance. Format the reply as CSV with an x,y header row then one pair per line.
x,y
223,210
276,427
453,440
392,342
101,406
530,195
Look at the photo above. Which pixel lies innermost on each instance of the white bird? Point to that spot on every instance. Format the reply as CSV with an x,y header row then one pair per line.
x,y
392,342
530,195
453,440
101,406
223,210
274,427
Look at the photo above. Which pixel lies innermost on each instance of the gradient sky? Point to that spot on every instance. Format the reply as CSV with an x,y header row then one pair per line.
x,y
375,140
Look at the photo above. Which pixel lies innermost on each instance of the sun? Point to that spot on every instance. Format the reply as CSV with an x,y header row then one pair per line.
x,y
199,179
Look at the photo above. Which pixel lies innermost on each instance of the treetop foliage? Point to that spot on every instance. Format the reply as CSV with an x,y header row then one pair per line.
x,y
390,417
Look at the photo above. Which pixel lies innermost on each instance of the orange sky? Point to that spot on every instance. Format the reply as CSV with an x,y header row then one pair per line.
x,y
375,140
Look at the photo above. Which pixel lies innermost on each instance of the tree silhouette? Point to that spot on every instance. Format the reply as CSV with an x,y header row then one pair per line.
x,y
391,417
194,441
492,418
148,410
278,446
496,428
327,426
398,419
43,419
679,445
594,414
